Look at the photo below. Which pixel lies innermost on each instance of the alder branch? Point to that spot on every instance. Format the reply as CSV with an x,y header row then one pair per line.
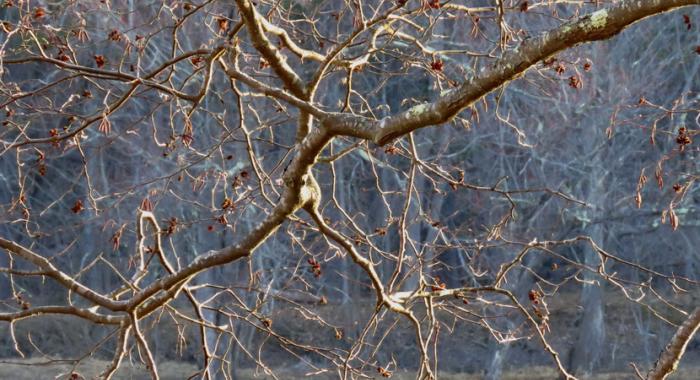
x,y
67,281
289,43
120,75
67,310
596,26
671,356
119,352
290,202
300,190
272,91
363,262
540,333
276,60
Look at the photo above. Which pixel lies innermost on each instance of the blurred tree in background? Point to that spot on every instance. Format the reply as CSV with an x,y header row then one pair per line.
x,y
416,189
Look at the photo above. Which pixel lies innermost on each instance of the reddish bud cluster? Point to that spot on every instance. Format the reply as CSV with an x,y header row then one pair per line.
x,y
392,150
534,296
196,60
39,12
672,216
41,163
114,35
77,206
439,285
658,174
61,56
172,226
437,64
146,205
524,6
315,267
99,60
575,82
23,304
560,68
116,238
222,24
384,372
227,204
683,138
105,126
539,308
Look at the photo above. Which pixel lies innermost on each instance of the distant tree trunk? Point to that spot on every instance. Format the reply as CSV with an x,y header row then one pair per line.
x,y
499,357
587,350
672,354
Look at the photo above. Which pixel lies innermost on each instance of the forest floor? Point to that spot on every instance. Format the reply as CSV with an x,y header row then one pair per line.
x,y
31,369
61,335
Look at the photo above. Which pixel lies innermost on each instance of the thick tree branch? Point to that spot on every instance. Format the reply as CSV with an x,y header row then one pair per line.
x,y
67,310
672,354
163,290
598,25
64,279
277,61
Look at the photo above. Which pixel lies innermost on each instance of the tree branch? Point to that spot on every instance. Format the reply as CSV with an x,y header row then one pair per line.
x,y
277,61
598,25
61,277
672,354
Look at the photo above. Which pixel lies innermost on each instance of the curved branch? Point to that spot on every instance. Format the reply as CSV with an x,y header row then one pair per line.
x,y
64,279
163,290
277,61
598,25
272,91
67,310
672,354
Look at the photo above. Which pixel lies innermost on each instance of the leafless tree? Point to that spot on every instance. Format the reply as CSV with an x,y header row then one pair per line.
x,y
313,181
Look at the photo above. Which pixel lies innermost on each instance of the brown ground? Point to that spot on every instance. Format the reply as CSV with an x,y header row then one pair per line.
x,y
34,369
56,336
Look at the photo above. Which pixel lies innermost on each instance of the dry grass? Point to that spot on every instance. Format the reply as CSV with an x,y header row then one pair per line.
x,y
32,369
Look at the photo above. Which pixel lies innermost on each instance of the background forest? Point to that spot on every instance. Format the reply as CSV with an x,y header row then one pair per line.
x,y
573,188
